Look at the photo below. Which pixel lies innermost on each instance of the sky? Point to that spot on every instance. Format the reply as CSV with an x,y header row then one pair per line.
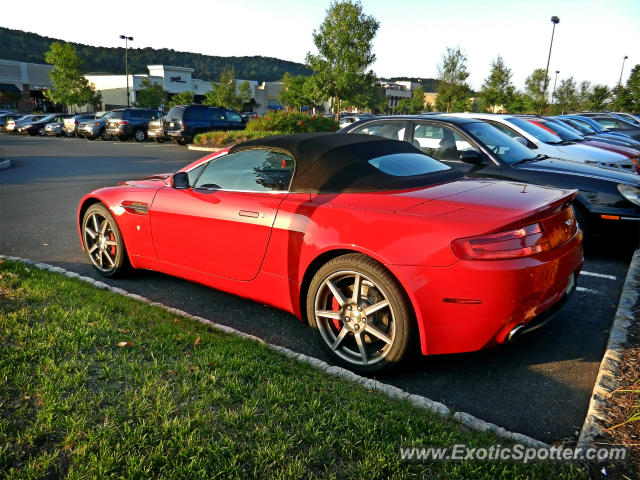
x,y
589,43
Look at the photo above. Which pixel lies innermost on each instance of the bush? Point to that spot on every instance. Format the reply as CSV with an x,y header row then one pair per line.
x,y
292,122
224,139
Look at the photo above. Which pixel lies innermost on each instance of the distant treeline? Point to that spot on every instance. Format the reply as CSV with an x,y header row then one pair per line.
x,y
30,47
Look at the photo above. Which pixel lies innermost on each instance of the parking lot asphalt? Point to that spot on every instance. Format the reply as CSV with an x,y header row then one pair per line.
x,y
539,386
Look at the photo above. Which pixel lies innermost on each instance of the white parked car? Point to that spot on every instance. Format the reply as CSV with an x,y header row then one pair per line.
x,y
545,142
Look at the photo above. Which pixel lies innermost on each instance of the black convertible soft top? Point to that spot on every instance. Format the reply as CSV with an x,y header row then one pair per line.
x,y
336,162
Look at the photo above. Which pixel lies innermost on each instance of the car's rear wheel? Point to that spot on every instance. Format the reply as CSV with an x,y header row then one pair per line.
x,y
103,241
41,132
181,141
139,135
360,314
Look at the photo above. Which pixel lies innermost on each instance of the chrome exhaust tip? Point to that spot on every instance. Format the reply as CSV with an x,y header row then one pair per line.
x,y
515,332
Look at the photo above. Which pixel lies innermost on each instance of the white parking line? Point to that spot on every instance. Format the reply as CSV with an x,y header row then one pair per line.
x,y
599,275
589,290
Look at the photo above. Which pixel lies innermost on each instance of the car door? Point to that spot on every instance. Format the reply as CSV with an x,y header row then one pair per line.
x,y
447,144
221,225
219,119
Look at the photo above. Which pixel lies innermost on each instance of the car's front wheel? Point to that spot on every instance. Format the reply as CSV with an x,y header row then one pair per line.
x,y
360,314
103,241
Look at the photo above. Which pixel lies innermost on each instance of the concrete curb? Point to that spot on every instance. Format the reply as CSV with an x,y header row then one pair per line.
x,y
394,393
6,163
205,149
628,311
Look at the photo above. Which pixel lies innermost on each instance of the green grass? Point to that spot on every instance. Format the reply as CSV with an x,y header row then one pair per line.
x,y
73,404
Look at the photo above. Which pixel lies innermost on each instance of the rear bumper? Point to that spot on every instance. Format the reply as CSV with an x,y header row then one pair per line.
x,y
472,305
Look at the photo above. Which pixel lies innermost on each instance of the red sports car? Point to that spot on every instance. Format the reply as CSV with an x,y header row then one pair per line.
x,y
368,239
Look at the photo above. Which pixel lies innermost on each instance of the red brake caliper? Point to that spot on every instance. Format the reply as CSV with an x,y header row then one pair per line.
x,y
112,250
336,308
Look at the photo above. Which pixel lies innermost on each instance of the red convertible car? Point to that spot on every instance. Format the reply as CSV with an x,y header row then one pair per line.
x,y
372,242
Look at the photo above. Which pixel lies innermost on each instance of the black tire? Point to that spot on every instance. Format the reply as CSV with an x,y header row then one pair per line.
x,y
103,241
361,340
160,140
139,135
105,135
582,216
91,138
41,132
181,141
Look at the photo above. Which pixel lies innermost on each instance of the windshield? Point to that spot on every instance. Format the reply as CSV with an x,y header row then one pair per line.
x,y
540,133
505,147
582,127
565,133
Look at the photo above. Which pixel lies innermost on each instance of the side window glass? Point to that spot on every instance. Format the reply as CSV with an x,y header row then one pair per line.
x,y
233,116
392,130
440,142
254,170
607,122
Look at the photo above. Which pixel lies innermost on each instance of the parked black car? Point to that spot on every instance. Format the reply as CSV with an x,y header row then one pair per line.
x,y
126,123
481,150
183,122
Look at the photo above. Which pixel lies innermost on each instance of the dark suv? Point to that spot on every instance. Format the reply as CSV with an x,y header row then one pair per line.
x,y
131,122
183,122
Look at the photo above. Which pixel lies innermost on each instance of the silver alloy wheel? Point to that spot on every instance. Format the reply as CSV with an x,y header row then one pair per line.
x,y
100,242
355,318
139,135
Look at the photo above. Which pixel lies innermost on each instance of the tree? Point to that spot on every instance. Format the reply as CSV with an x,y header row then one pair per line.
x,y
69,84
598,98
633,85
519,103
497,89
566,97
182,98
417,101
151,95
535,88
453,90
584,94
223,93
313,92
621,99
344,43
244,93
293,92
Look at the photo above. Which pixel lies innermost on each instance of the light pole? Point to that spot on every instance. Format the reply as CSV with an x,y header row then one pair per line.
x,y
555,20
622,69
554,86
126,61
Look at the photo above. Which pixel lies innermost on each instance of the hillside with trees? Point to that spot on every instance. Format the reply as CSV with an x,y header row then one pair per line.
x,y
30,47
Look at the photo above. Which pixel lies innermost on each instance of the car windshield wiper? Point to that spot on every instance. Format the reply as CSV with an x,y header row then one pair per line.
x,y
532,159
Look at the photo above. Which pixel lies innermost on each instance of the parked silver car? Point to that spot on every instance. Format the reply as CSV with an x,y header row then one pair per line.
x,y
95,127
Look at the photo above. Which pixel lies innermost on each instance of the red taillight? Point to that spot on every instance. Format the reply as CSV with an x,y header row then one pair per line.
x,y
123,122
97,123
181,124
519,242
75,122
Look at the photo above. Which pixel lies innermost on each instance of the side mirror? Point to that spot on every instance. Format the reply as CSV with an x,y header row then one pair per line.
x,y
471,156
521,140
180,181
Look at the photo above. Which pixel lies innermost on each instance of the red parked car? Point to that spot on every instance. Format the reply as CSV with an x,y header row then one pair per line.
x,y
368,239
